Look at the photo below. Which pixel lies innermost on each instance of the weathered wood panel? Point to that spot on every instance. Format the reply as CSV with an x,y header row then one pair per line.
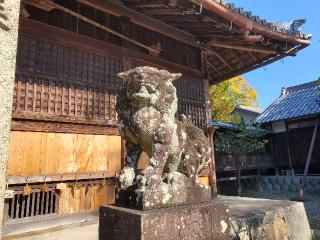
x,y
33,153
85,199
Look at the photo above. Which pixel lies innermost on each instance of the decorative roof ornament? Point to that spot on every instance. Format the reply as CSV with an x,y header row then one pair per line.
x,y
283,91
294,27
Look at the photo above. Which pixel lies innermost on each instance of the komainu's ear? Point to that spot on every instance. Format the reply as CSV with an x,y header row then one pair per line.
x,y
123,75
175,76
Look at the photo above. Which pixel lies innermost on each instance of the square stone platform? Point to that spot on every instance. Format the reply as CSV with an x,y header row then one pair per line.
x,y
223,218
205,221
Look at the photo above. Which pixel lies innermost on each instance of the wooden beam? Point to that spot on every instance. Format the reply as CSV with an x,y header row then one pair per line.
x,y
60,127
306,169
234,178
140,19
59,177
39,4
98,25
35,116
243,48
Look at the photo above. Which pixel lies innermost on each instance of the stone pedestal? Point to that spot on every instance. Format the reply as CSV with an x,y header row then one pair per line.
x,y
204,221
159,198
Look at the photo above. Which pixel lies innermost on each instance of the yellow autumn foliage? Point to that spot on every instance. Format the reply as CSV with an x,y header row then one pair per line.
x,y
225,96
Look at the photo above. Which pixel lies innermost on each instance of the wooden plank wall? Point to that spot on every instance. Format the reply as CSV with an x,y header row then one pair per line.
x,y
299,142
33,153
86,199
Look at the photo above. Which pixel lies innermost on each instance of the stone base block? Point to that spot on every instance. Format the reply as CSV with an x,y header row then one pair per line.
x,y
204,221
153,199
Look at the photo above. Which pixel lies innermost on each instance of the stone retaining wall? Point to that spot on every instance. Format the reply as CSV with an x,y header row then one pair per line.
x,y
282,183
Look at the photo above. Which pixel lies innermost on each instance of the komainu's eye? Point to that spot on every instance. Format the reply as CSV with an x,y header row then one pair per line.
x,y
150,88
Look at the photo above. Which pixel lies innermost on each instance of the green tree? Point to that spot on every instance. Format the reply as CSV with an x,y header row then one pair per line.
x,y
239,141
225,96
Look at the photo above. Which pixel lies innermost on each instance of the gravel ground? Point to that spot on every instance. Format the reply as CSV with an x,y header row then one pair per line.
x,y
311,204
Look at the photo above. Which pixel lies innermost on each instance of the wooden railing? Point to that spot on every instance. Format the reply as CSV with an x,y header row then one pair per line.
x,y
226,162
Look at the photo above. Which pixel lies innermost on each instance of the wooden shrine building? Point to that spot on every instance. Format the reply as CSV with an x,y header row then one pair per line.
x,y
294,121
65,150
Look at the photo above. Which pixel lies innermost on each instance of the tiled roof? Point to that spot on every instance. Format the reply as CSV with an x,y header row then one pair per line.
x,y
295,102
221,124
250,109
292,28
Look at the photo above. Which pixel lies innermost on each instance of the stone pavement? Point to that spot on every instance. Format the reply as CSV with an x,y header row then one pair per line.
x,y
87,232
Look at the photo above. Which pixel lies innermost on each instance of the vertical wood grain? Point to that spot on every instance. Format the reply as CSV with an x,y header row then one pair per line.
x,y
15,154
68,162
114,160
31,152
100,153
84,152
50,153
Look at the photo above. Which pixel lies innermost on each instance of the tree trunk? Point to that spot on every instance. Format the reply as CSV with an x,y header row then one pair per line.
x,y
238,163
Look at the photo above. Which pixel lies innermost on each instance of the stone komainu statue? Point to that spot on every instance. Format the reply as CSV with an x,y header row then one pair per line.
x,y
146,107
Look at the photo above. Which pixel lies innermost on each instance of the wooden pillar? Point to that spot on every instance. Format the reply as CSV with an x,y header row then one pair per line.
x,y
9,24
212,166
211,131
288,146
306,169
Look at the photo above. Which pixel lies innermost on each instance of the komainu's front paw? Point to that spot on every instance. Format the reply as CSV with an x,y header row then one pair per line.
x,y
141,181
126,177
152,176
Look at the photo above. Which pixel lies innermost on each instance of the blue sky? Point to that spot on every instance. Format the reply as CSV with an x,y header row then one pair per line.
x,y
305,67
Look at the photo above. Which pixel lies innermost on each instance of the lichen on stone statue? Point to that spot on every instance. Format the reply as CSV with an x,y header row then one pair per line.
x,y
178,150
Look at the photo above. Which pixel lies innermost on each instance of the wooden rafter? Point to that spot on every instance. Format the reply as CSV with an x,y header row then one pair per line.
x,y
243,63
140,19
253,56
210,65
243,48
98,25
173,18
150,4
219,57
164,11
263,63
44,30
